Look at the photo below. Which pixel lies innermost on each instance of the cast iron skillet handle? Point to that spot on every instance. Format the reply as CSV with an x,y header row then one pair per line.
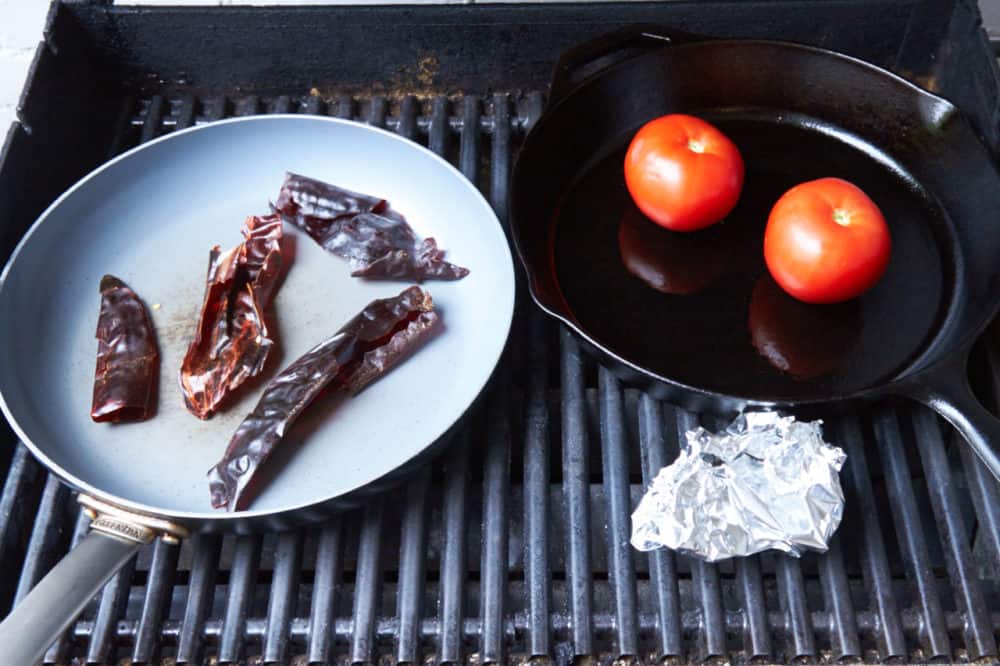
x,y
945,389
57,599
582,61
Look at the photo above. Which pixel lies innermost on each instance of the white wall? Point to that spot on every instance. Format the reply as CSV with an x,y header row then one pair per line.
x,y
21,24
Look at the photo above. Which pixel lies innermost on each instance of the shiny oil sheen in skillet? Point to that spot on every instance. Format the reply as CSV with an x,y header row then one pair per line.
x,y
695,327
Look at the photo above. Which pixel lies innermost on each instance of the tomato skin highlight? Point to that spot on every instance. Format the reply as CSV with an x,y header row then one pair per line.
x,y
683,173
826,241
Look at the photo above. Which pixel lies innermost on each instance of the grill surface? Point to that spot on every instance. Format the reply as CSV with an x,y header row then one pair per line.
x,y
514,545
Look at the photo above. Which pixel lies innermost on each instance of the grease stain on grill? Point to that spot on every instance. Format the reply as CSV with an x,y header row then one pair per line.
x,y
424,72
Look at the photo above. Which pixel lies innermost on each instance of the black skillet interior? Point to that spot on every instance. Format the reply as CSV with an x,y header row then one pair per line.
x,y
699,311
702,310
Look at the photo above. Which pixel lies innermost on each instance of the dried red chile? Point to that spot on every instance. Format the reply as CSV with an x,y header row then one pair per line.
x,y
231,343
127,357
376,241
367,347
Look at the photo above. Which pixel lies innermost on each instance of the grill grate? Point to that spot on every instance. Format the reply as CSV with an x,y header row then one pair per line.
x,y
514,545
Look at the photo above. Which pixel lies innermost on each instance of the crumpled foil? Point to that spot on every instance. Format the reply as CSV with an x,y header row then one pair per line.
x,y
767,481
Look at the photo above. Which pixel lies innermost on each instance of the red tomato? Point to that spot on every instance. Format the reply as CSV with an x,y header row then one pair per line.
x,y
683,173
826,241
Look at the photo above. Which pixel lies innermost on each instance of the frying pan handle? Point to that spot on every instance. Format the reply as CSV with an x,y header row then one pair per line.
x,y
52,605
946,390
580,62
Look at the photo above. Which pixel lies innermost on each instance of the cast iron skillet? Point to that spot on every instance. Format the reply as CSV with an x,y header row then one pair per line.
x,y
702,325
150,217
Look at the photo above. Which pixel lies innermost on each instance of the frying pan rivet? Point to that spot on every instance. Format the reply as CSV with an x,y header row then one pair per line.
x,y
170,539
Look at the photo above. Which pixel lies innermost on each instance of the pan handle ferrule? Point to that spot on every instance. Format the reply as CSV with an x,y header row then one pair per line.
x,y
137,527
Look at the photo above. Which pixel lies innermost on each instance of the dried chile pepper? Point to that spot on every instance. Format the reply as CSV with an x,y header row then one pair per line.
x,y
376,241
127,357
314,203
231,342
367,347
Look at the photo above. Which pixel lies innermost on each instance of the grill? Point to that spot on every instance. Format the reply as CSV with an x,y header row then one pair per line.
x,y
514,546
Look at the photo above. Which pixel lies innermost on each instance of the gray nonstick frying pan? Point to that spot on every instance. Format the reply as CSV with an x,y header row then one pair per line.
x,y
150,217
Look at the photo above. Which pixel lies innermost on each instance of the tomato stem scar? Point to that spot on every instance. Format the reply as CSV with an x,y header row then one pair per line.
x,y
696,146
841,217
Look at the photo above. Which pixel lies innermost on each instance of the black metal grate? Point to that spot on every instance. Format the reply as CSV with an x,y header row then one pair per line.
x,y
515,544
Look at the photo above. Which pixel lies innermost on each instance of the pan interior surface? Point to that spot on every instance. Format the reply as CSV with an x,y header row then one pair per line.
x,y
700,309
151,218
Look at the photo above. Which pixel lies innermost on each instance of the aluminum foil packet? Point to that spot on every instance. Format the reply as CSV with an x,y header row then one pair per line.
x,y
767,481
